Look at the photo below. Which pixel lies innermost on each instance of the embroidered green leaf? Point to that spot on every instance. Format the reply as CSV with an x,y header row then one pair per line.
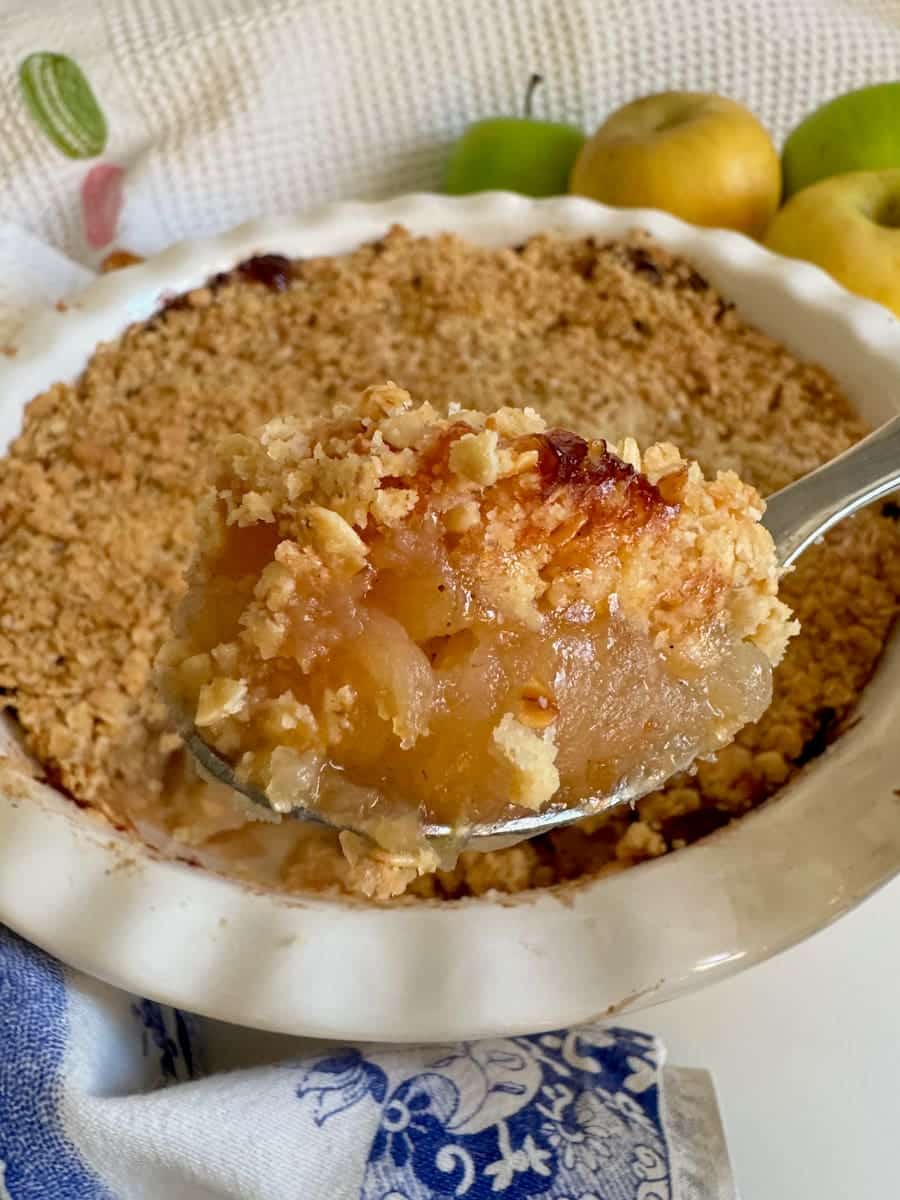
x,y
60,100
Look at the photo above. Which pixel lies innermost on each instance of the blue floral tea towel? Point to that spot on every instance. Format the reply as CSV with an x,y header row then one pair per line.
x,y
108,1097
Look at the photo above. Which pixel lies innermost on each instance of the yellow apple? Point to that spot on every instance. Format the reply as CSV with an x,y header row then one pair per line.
x,y
701,157
850,226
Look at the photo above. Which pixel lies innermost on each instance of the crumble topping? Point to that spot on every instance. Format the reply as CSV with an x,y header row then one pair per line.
x,y
98,493
533,779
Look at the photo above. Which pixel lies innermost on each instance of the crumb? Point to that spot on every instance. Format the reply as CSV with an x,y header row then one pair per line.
x,y
639,842
117,260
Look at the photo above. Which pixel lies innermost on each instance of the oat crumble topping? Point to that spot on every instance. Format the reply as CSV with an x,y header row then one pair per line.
x,y
97,498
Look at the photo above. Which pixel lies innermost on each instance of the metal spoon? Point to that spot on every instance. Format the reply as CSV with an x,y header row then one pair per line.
x,y
796,517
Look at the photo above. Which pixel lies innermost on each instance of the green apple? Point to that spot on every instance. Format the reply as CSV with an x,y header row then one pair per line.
x,y
850,226
514,154
702,157
856,132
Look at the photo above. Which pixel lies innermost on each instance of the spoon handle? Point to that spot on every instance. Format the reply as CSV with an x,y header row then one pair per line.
x,y
803,511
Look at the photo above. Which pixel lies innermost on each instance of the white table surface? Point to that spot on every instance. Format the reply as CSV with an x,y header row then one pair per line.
x,y
805,1052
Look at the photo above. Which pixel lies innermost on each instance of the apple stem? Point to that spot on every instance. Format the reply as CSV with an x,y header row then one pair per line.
x,y
534,82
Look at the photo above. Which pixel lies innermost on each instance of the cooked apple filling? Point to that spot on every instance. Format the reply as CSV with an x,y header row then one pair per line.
x,y
404,620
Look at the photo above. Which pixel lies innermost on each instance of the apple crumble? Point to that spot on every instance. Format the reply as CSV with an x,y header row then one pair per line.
x,y
98,493
416,624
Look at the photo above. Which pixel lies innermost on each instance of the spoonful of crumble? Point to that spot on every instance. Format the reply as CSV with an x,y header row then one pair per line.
x,y
435,632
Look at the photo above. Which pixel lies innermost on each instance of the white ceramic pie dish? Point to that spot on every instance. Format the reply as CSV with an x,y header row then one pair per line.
x,y
441,971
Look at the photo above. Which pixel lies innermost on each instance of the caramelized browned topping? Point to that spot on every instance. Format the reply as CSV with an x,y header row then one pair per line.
x,y
561,455
273,271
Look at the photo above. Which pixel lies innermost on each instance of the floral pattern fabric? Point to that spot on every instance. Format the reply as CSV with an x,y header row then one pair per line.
x,y
107,1096
573,1115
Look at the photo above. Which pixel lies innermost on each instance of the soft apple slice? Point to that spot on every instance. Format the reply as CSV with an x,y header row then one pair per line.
x,y
401,618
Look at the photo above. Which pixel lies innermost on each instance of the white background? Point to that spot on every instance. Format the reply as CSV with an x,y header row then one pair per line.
x,y
805,1054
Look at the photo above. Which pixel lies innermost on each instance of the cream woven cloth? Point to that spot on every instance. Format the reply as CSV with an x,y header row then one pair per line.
x,y
220,110
188,116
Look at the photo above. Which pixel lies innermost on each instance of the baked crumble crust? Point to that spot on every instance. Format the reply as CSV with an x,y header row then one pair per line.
x,y
98,492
